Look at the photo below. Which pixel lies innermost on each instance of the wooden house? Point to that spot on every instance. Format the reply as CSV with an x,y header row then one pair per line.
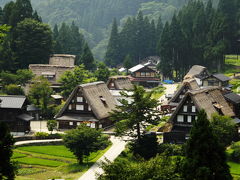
x,y
88,103
198,72
13,111
187,84
210,99
119,83
216,80
144,76
58,64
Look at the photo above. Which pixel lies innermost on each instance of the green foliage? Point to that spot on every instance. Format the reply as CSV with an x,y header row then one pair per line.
x,y
3,32
160,167
87,58
21,77
40,95
208,165
71,79
33,41
127,63
171,149
224,129
146,147
102,73
84,140
131,117
7,168
41,135
51,125
68,40
13,89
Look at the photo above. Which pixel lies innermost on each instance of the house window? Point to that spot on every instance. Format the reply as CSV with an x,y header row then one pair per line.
x,y
70,107
189,119
78,123
79,99
181,96
112,84
143,74
89,108
88,124
180,118
79,107
71,123
93,125
184,108
148,74
193,108
100,125
103,100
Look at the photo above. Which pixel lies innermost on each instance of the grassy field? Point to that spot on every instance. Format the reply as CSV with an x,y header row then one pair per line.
x,y
232,65
48,162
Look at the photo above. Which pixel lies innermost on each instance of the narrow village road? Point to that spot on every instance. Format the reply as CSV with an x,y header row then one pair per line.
x,y
170,89
118,145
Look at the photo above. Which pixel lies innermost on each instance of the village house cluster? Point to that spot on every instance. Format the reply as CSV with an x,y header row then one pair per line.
x,y
199,90
91,103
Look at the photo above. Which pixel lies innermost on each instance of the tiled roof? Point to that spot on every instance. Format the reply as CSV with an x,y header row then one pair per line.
x,y
13,102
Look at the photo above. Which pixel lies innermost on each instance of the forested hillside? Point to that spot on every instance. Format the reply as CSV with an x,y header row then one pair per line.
x,y
95,16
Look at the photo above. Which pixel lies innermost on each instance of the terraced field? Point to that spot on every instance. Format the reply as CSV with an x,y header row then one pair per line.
x,y
48,162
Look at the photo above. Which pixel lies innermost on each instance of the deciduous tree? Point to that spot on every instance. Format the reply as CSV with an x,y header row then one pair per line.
x,y
84,140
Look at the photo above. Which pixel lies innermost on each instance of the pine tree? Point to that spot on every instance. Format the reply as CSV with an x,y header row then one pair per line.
x,y
87,58
159,29
205,157
127,63
7,168
112,54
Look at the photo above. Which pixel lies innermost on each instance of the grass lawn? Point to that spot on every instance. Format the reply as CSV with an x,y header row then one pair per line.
x,y
48,162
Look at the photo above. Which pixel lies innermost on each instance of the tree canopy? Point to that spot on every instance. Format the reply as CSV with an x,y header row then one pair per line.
x,y
84,140
205,156
131,117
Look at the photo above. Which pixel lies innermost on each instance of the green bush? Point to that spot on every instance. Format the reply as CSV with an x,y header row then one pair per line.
x,y
41,135
235,156
171,149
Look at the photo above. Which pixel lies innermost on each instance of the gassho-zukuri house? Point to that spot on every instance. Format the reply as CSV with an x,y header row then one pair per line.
x,y
210,99
88,103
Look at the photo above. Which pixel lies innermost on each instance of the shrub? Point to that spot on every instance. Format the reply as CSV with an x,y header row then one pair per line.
x,y
235,156
146,146
171,149
41,135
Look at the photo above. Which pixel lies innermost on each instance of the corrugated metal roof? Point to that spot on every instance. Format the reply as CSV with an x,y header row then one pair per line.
x,y
137,67
14,102
221,77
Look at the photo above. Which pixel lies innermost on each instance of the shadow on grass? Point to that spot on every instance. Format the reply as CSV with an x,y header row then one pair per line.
x,y
75,167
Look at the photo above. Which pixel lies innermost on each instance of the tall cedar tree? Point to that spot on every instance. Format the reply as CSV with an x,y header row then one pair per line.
x,y
33,43
127,63
87,58
131,117
7,168
112,53
205,157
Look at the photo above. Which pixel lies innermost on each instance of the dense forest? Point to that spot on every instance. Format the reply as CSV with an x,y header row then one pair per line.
x,y
197,34
94,17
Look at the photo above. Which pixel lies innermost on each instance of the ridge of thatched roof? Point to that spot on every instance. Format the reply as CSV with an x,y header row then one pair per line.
x,y
194,71
120,82
190,83
94,93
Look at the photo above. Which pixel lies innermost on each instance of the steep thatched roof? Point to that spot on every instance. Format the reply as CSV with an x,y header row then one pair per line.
x,y
210,99
98,97
195,71
120,82
189,84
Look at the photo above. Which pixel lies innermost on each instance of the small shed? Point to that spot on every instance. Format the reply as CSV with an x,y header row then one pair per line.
x,y
216,80
119,83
